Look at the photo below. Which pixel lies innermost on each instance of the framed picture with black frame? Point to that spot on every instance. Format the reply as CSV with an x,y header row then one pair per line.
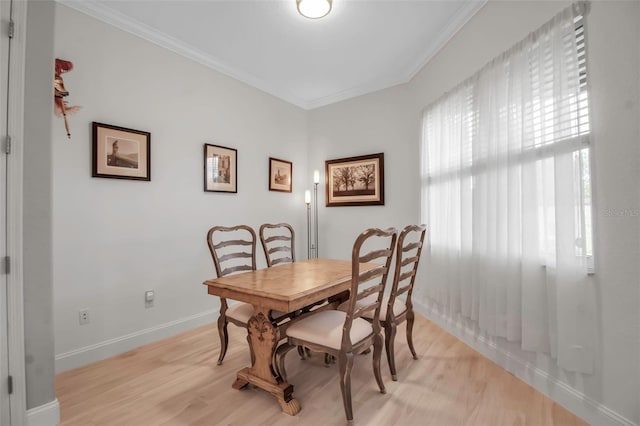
x,y
280,175
121,153
355,181
220,169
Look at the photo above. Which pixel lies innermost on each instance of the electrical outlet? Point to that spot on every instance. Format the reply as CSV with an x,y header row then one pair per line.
x,y
83,315
149,296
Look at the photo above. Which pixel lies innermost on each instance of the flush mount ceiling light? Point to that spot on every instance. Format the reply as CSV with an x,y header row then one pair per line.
x,y
314,9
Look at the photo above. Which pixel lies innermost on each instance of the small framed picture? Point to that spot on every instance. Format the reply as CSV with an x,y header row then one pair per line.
x,y
220,169
280,175
355,181
121,153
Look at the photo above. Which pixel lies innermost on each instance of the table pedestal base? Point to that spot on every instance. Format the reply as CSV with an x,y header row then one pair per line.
x,y
264,337
282,391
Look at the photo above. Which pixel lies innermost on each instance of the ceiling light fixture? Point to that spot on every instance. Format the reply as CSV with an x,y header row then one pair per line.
x,y
314,9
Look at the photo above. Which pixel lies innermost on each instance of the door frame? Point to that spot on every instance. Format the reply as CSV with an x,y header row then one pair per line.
x,y
15,126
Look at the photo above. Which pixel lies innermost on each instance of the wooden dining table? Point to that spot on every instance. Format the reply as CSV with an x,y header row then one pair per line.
x,y
285,288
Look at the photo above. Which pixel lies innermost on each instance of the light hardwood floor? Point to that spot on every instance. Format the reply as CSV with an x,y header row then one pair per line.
x,y
176,382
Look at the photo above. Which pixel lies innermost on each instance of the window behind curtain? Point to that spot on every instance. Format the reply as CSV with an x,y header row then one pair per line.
x,y
507,192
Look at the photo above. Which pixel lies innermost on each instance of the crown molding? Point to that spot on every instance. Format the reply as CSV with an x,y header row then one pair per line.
x,y
125,23
460,18
353,92
105,14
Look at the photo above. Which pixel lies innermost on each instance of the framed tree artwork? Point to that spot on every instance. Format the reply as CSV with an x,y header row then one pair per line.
x,y
355,181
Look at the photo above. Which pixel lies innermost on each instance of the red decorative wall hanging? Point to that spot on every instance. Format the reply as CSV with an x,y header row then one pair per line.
x,y
59,91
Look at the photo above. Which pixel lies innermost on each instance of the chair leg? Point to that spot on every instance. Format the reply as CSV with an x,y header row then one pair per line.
x,y
302,352
389,339
328,360
224,337
410,318
345,361
281,353
377,355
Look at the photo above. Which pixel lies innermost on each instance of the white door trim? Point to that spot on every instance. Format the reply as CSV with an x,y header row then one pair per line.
x,y
14,213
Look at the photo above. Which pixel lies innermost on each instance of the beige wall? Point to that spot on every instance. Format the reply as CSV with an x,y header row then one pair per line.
x,y
113,239
389,121
380,122
614,66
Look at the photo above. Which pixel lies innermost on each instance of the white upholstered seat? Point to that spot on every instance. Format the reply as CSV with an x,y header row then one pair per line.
x,y
325,328
240,312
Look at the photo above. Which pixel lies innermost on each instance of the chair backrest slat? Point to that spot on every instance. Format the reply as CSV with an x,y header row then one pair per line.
x,y
278,243
364,293
239,255
278,249
410,241
375,255
406,275
369,275
281,260
408,260
231,243
411,246
228,247
402,290
278,238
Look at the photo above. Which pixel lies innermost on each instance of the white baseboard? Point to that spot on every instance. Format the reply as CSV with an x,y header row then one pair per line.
x,y
572,399
99,351
44,415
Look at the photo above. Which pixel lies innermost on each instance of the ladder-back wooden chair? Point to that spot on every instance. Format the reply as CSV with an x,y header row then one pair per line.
x,y
278,243
394,311
344,334
233,250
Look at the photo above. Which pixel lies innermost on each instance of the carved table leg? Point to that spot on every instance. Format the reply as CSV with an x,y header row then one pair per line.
x,y
264,338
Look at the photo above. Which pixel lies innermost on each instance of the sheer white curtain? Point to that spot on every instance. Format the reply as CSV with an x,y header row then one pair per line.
x,y
506,196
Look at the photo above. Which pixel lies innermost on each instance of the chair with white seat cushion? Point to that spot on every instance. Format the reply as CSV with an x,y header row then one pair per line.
x,y
278,244
233,249
408,252
343,334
